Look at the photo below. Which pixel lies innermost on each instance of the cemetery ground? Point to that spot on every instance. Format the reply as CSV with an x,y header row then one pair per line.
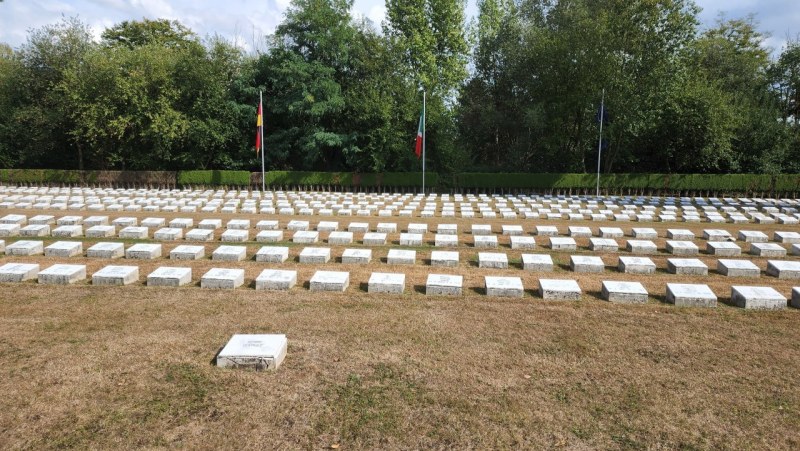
x,y
132,366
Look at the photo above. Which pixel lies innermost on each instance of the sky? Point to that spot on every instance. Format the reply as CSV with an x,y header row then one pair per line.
x,y
245,22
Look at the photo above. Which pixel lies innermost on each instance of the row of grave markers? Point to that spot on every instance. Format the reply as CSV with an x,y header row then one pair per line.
x,y
696,295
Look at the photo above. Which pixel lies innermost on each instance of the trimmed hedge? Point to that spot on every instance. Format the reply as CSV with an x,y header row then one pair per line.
x,y
655,183
346,179
226,178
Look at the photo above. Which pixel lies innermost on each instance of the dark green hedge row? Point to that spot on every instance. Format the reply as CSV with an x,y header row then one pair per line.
x,y
222,178
346,179
733,183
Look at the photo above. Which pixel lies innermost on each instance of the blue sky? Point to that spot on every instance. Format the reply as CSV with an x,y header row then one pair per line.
x,y
245,21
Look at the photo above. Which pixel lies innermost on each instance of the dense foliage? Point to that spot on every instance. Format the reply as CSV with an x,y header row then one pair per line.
x,y
515,90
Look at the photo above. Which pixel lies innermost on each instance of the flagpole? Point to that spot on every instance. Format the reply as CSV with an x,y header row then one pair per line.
x,y
423,140
600,143
261,105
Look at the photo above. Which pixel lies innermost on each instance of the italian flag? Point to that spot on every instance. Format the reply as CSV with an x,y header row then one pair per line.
x,y
420,133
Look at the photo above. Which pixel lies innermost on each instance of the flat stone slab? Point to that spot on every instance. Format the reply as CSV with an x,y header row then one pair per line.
x,y
796,249
14,219
235,236
444,258
624,292
340,238
795,302
168,234
537,262
512,230
682,248
187,252
444,284
330,281
603,245
199,235
723,249
153,223
296,225
357,256
481,229
134,233
315,255
522,242
447,229
563,243
62,274
143,251
503,286
169,276
401,257
687,266
386,227
382,282
18,272
690,295
559,289
33,230
116,275
209,224
753,236
641,247
737,268
272,254
417,228
636,265
7,230
757,298
276,279
484,241
69,220
269,236
327,226
544,230
222,278
644,233
305,236
374,239
229,253
611,232
717,235
579,231
25,248
787,237
769,250
358,227
680,234
267,224
182,223
64,249
101,231
238,224
257,352
783,269
446,240
106,250
492,260
411,239
125,221
586,264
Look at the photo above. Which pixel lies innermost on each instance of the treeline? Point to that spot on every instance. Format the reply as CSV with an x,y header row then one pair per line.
x,y
517,89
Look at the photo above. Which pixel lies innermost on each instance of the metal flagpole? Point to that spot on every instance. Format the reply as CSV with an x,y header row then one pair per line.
x,y
423,140
261,105
600,144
